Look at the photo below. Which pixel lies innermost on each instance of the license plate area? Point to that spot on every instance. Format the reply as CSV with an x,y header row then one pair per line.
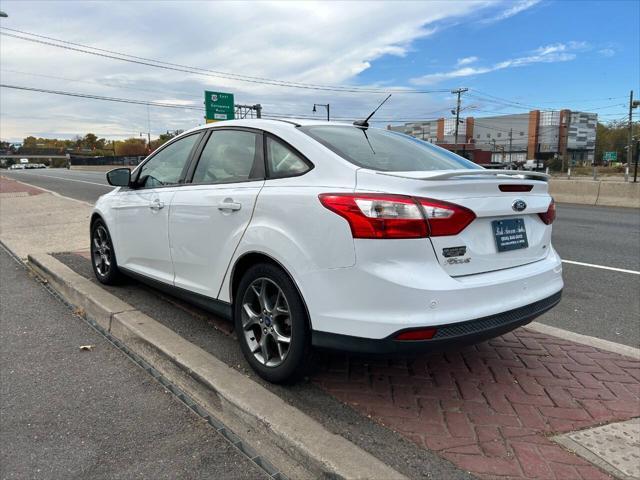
x,y
510,234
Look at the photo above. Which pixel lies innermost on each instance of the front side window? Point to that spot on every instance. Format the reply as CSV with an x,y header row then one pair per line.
x,y
230,156
385,150
166,167
282,161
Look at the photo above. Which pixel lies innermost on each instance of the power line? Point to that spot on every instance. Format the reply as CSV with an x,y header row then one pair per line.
x,y
104,98
114,55
175,105
102,83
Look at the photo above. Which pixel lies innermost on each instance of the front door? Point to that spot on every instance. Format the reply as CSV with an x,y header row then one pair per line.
x,y
142,236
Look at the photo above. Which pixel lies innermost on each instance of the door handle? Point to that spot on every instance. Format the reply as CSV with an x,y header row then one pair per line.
x,y
229,204
156,205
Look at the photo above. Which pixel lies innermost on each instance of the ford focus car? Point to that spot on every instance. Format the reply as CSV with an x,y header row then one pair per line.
x,y
315,234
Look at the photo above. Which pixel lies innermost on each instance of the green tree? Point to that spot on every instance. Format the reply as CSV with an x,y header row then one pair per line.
x,y
613,137
131,146
30,142
90,140
164,138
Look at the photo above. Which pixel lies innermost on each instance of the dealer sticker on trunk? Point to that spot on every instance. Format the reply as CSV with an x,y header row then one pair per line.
x,y
510,234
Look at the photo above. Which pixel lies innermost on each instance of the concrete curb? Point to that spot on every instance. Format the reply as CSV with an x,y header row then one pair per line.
x,y
585,340
298,445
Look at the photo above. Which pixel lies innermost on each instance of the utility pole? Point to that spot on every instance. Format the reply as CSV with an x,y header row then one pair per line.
x,y
148,140
632,104
635,168
458,92
629,143
510,144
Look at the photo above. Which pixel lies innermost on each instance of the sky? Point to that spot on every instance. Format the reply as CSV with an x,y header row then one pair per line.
x,y
512,55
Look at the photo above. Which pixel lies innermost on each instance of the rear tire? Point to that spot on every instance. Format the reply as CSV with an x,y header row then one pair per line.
x,y
271,324
103,256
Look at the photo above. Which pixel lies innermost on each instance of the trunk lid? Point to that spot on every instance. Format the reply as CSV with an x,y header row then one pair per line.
x,y
475,249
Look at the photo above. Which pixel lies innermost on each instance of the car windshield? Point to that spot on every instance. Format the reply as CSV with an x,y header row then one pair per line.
x,y
385,150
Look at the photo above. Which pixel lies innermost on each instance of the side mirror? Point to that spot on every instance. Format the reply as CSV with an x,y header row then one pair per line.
x,y
119,177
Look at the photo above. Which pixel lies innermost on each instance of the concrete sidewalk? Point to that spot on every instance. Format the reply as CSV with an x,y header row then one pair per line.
x,y
33,220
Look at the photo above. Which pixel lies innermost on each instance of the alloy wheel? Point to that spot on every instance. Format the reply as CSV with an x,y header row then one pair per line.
x,y
266,322
101,251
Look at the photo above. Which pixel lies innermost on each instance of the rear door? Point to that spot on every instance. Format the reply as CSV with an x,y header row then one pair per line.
x,y
507,231
209,216
142,233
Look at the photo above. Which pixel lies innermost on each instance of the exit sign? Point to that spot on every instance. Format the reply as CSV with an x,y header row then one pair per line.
x,y
218,106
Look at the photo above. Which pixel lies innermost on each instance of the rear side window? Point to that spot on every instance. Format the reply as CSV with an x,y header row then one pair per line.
x,y
230,156
385,150
282,161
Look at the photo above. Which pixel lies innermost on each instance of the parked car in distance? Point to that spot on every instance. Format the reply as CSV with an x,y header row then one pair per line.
x,y
533,165
323,235
17,166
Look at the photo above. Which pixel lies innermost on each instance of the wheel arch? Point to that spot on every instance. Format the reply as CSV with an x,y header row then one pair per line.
x,y
95,216
246,261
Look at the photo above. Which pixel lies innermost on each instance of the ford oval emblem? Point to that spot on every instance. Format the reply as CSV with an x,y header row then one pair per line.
x,y
519,205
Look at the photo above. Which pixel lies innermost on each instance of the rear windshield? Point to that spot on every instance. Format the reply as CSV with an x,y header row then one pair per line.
x,y
385,150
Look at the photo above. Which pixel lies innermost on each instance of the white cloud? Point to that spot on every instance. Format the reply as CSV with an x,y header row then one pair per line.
x,y
514,9
557,52
607,52
466,60
320,43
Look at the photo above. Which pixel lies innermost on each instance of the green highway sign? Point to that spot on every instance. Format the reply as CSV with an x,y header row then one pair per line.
x,y
218,106
610,156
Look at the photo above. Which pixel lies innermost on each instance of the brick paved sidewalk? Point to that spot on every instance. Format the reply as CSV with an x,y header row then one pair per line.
x,y
11,188
490,408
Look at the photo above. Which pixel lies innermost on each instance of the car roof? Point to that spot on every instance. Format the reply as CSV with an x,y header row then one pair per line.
x,y
267,123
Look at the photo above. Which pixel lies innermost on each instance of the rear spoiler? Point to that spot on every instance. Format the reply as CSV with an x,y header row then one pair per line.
x,y
446,174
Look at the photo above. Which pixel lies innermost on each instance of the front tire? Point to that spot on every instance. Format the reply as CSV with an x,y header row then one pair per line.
x,y
103,257
272,325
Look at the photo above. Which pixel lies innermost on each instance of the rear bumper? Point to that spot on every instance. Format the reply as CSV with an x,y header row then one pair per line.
x,y
447,336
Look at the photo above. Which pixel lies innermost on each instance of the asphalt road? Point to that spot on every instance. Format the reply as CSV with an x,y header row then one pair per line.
x,y
597,301
81,185
68,413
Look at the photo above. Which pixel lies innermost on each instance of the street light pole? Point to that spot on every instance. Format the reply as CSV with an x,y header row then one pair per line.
x,y
325,105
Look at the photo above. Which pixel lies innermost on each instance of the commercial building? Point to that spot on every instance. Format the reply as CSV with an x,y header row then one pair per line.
x,y
537,135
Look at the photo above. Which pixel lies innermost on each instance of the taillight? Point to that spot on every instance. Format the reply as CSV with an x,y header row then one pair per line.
x,y
445,218
378,215
550,215
417,334
397,216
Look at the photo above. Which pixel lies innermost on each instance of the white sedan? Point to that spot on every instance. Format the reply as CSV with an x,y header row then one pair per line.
x,y
316,234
